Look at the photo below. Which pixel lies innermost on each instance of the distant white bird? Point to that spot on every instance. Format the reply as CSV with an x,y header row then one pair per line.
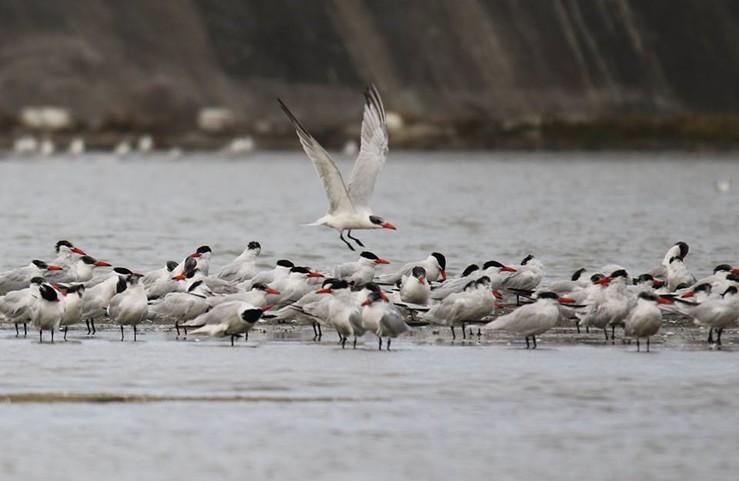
x,y
723,186
475,302
122,149
145,144
243,267
47,311
382,318
349,206
47,147
76,147
228,319
533,319
414,289
180,307
66,253
645,318
129,306
16,306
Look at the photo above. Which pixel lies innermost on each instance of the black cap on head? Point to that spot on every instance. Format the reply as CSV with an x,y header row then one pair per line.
x,y
470,269
489,264
203,249
342,284
260,286
648,296
730,290
578,273
644,278
171,265
721,268
37,280
62,242
373,287
683,249
48,292
376,219
301,269
88,259
527,259
368,255
254,245
596,277
483,281
440,259
122,271
619,273
470,285
702,287
285,263
418,272
40,264
251,315
546,295
75,288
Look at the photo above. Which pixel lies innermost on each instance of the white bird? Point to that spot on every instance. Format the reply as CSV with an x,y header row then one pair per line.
x,y
129,305
611,305
533,319
80,270
16,306
344,312
679,249
527,276
73,306
359,272
349,206
414,289
678,275
47,311
645,318
163,273
382,318
76,147
475,302
243,267
256,296
95,300
180,306
294,286
280,271
435,265
718,312
20,277
228,319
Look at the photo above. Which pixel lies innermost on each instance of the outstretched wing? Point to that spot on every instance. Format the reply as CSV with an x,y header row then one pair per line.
x,y
372,152
333,183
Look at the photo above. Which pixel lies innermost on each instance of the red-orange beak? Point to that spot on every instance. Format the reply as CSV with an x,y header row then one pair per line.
x,y
688,294
268,307
79,251
388,225
384,297
367,302
315,274
497,295
657,283
53,268
422,280
443,274
508,269
566,300
735,271
603,282
179,277
664,300
102,264
325,290
499,305
196,255
382,261
269,290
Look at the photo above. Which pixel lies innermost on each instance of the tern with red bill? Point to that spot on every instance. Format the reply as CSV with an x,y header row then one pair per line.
x,y
349,206
16,279
80,270
435,265
533,319
645,318
361,271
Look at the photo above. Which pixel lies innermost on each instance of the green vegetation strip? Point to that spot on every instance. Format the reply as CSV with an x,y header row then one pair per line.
x,y
19,398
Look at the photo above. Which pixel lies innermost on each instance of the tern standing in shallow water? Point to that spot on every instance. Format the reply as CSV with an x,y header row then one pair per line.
x,y
349,206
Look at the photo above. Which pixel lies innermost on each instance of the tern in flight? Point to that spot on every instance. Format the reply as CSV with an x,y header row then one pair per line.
x,y
349,206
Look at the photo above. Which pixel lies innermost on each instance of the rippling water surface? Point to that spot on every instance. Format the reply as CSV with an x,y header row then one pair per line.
x,y
286,408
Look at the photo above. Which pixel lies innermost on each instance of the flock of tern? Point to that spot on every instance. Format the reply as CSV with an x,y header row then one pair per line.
x,y
352,297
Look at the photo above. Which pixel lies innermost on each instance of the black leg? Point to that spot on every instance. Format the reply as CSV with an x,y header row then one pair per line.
x,y
349,235
17,332
710,335
577,325
454,336
613,334
587,329
718,338
479,333
605,331
533,338
527,342
380,346
25,329
65,332
52,335
121,332
343,342
40,335
92,323
232,340
637,344
388,343
464,330
246,336
355,342
177,326
89,331
647,344
134,333
341,236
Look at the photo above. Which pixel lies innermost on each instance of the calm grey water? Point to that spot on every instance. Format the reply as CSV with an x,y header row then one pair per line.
x,y
283,408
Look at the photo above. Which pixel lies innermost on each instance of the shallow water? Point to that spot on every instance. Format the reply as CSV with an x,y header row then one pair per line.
x,y
281,406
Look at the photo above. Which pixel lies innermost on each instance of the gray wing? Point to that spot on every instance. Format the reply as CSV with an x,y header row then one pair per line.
x,y
333,183
372,152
